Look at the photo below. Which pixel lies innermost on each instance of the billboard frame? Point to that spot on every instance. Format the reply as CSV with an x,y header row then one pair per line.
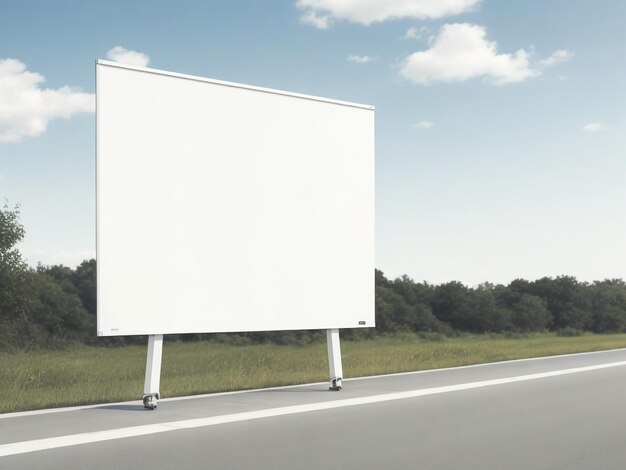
x,y
155,341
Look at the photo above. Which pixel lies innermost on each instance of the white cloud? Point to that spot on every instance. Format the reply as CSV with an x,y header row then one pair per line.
x,y
124,56
414,33
593,127
359,59
460,52
311,18
26,108
321,13
423,125
411,33
557,57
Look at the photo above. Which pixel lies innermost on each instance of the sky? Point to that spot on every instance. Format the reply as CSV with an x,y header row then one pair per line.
x,y
500,149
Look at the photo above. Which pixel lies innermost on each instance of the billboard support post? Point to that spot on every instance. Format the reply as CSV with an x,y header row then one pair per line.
x,y
334,359
153,371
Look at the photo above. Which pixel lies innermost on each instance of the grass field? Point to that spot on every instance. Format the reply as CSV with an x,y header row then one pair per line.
x,y
84,375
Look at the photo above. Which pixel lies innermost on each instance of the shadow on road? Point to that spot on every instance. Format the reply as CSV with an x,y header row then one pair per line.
x,y
123,407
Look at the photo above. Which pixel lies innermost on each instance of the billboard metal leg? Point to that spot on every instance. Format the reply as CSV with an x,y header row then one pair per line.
x,y
153,372
334,359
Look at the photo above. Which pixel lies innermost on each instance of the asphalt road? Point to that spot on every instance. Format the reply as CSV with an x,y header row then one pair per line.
x,y
562,412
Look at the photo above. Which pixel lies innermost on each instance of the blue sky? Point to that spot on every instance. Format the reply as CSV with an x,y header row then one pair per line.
x,y
499,125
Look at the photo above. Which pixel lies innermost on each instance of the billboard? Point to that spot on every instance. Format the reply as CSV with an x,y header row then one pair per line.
x,y
224,207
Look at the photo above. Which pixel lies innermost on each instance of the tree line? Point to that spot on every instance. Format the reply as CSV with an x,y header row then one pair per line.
x,y
53,306
561,304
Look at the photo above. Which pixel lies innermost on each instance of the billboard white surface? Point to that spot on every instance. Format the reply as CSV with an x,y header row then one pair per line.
x,y
228,208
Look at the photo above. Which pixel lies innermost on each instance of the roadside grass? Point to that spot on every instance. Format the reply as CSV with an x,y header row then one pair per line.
x,y
86,375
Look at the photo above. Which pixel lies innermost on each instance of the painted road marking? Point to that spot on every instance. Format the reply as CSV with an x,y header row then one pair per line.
x,y
121,433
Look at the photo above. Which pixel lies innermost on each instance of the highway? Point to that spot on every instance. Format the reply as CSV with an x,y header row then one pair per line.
x,y
562,412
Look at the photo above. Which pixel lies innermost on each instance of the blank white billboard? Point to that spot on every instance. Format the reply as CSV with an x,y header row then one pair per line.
x,y
227,208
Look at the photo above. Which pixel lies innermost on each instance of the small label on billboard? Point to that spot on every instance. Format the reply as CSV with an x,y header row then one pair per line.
x,y
362,322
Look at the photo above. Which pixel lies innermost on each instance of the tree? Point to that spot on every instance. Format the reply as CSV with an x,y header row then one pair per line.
x,y
608,305
14,280
12,266
80,282
59,313
11,232
37,307
453,304
489,314
392,312
530,313
62,275
567,300
412,292
85,283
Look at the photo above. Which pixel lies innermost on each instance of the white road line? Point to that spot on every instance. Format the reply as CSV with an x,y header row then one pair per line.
x,y
20,414
121,433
